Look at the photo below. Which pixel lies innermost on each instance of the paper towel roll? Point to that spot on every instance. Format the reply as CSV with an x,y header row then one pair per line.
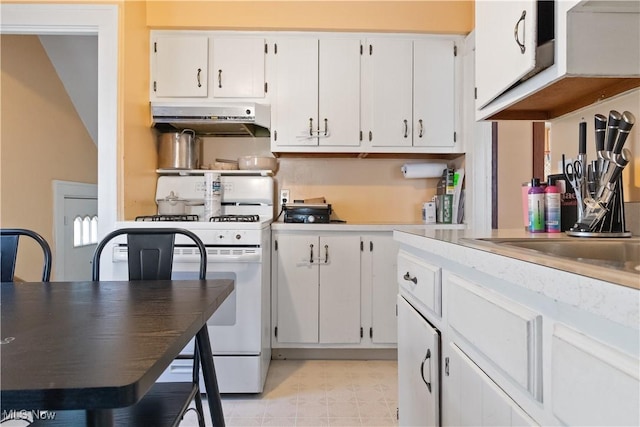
x,y
423,170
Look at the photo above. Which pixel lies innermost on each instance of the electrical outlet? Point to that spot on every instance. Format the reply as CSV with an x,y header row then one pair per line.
x,y
284,196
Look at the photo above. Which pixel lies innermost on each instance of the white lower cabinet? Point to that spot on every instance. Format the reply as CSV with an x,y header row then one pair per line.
x,y
318,289
418,368
471,398
380,258
588,377
334,289
514,353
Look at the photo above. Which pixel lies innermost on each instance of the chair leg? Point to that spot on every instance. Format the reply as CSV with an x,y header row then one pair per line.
x,y
196,379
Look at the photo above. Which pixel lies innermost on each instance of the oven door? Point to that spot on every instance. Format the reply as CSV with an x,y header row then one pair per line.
x,y
235,328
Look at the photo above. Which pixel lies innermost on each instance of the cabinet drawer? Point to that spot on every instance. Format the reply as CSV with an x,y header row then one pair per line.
x,y
508,334
591,382
421,280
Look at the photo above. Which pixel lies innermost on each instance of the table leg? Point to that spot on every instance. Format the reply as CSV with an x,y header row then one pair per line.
x,y
100,418
210,380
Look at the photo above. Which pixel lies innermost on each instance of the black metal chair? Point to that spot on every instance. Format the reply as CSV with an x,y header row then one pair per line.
x,y
9,238
150,257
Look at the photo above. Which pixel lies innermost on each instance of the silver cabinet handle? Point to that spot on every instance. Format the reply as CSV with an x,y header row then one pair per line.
x,y
310,126
426,357
311,255
198,77
408,278
420,127
326,254
326,126
406,128
516,32
219,78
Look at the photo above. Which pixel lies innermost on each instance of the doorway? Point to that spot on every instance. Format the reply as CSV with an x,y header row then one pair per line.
x,y
75,216
83,19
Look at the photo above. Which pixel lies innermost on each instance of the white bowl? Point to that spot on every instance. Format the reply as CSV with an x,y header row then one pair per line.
x,y
257,163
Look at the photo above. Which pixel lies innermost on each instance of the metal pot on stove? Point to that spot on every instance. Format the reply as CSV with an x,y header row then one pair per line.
x,y
179,150
172,205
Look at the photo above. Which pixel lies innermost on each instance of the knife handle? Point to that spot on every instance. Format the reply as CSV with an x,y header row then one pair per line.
x,y
601,130
612,129
582,138
627,122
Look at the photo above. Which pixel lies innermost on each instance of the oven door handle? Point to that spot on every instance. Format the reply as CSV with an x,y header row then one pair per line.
x,y
120,255
224,258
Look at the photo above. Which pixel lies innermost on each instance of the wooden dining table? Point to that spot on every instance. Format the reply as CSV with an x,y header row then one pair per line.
x,y
99,346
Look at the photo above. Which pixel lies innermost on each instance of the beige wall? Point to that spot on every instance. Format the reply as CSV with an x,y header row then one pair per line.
x,y
453,17
43,139
564,138
515,166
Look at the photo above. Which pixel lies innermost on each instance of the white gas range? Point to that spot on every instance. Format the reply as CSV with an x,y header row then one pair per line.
x,y
238,247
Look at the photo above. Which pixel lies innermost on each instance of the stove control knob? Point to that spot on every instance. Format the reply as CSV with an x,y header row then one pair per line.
x,y
221,236
238,236
311,218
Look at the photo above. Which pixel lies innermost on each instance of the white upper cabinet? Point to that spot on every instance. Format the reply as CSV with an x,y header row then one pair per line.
x,y
202,65
538,60
316,99
505,47
388,92
434,93
238,67
179,65
409,94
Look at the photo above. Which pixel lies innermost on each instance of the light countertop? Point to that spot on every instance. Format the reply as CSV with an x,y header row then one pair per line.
x,y
371,226
467,238
609,292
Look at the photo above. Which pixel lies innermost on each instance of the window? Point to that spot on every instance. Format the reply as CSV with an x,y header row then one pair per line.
x,y
85,231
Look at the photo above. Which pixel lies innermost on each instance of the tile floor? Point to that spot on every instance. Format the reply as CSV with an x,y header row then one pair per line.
x,y
318,393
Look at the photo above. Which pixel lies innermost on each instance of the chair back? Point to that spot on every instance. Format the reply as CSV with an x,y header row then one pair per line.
x,y
150,252
9,238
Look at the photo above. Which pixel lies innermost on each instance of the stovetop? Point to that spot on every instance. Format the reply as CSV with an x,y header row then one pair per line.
x,y
195,218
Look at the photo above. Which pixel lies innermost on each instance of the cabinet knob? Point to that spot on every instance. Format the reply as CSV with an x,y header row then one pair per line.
x,y
220,78
420,129
198,77
406,128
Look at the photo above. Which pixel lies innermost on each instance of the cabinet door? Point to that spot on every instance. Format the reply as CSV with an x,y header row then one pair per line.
x,y
339,261
384,288
180,66
388,79
238,67
433,93
297,281
295,101
500,60
592,383
338,123
418,369
471,398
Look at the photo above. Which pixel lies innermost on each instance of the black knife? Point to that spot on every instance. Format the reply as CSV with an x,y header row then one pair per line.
x,y
601,130
612,129
626,123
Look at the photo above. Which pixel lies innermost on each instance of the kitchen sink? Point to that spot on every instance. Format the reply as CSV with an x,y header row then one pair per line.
x,y
622,254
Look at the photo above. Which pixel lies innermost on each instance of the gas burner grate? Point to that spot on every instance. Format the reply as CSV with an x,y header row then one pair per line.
x,y
235,218
167,218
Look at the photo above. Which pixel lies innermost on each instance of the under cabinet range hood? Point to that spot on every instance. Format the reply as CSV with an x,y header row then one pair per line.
x,y
213,119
